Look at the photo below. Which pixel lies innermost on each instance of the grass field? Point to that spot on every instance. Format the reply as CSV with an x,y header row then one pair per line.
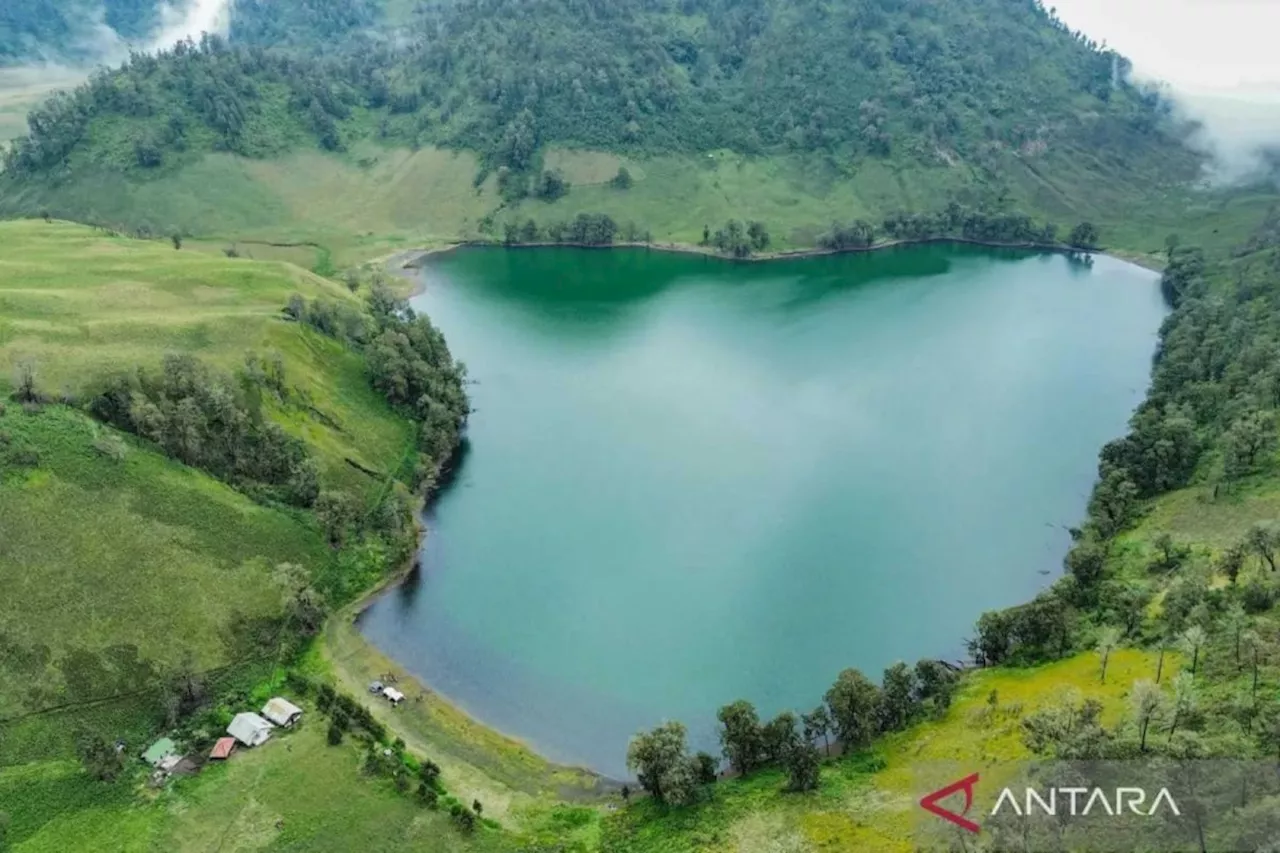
x,y
869,803
333,211
78,302
293,794
116,569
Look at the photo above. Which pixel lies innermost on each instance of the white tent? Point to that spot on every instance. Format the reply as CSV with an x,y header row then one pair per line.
x,y
282,712
249,729
395,696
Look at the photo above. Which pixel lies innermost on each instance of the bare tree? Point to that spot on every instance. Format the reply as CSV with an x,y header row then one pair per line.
x,y
1147,702
1107,642
25,381
1191,641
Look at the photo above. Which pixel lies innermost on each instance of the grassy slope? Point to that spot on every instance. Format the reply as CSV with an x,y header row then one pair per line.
x,y
79,302
862,808
314,791
144,552
375,200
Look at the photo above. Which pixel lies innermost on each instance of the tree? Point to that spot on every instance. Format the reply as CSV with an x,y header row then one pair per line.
x,y
304,605
758,234
1246,444
1252,641
708,768
1164,645
1113,503
1172,554
1238,623
100,759
551,185
935,685
1271,733
1083,236
335,733
336,512
25,390
1184,700
464,817
803,767
898,693
1147,701
995,638
741,740
779,737
622,180
477,807
853,701
1232,561
1086,561
1192,640
817,724
176,239
1108,639
1171,244
1263,539
662,765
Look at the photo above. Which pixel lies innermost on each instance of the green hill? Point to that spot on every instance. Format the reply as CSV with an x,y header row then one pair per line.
x,y
794,114
123,564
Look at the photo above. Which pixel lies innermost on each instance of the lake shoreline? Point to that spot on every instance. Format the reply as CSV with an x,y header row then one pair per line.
x,y
343,629
407,263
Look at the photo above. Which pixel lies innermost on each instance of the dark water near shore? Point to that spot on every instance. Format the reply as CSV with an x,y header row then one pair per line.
x,y
691,481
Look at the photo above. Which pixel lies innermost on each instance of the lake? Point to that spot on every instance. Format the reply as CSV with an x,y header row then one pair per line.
x,y
689,481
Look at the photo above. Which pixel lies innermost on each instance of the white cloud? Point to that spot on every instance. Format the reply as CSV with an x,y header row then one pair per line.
x,y
190,21
1217,56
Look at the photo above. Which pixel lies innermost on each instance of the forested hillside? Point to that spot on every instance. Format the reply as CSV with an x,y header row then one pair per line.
x,y
978,88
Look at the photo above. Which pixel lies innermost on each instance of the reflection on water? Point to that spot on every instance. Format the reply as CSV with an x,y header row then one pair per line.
x,y
691,481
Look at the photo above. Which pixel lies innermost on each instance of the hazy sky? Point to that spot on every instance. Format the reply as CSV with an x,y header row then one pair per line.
x,y
1195,45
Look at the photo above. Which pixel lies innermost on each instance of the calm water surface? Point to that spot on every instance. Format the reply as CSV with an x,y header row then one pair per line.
x,y
690,481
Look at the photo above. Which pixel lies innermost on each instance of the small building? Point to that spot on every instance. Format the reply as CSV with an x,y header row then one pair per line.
x,y
282,712
159,751
249,729
395,697
223,748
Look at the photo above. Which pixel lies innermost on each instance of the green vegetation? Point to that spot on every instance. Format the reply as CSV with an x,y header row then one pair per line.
x,y
202,454
667,119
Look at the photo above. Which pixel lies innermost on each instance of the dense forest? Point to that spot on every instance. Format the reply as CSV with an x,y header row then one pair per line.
x,y
908,79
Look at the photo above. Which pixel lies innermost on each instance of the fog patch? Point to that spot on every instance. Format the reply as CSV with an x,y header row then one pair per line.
x,y
190,20
1239,129
1236,128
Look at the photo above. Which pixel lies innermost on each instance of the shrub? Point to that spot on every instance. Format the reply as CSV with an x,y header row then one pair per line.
x,y
622,180
111,446
1258,596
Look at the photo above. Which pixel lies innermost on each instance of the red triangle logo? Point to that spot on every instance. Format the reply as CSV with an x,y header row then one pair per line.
x,y
930,803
